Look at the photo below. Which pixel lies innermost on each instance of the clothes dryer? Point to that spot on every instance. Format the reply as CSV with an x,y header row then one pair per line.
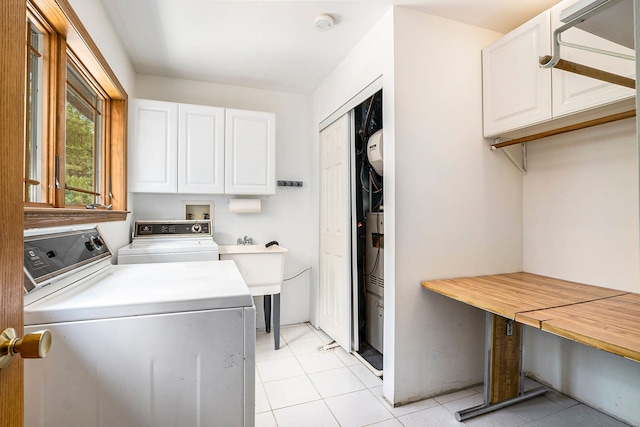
x,y
170,241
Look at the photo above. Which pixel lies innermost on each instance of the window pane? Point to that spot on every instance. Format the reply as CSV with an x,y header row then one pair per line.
x,y
34,147
83,136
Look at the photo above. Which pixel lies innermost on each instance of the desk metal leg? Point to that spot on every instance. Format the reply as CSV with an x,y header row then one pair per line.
x,y
267,312
276,320
465,414
491,348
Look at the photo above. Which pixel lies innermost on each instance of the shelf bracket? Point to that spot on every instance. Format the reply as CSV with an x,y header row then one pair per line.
x,y
520,165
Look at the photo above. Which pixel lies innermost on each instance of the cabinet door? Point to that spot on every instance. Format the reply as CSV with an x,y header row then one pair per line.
x,y
201,149
154,144
250,152
573,92
516,91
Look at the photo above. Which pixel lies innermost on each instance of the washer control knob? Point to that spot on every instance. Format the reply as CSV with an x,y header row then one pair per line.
x,y
196,228
97,242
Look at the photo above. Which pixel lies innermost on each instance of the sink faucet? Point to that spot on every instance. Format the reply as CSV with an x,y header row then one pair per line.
x,y
245,241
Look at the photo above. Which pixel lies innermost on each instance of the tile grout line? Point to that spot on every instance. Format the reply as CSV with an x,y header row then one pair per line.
x,y
366,387
343,364
312,384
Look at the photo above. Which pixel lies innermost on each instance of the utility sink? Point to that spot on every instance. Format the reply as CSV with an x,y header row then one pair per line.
x,y
262,268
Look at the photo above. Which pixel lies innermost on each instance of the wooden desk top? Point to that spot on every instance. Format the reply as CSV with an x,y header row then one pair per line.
x,y
513,293
603,318
611,324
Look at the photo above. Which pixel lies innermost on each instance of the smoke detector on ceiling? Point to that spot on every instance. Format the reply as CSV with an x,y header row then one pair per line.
x,y
323,22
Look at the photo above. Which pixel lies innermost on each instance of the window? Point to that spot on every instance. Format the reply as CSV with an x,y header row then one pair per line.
x,y
75,136
83,141
34,150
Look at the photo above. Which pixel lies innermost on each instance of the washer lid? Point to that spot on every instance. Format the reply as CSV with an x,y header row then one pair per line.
x,y
144,289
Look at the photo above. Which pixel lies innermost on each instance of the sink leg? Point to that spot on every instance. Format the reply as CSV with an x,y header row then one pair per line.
x,y
267,313
276,320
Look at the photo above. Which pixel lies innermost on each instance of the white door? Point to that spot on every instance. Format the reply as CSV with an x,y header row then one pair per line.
x,y
335,232
200,149
250,152
154,146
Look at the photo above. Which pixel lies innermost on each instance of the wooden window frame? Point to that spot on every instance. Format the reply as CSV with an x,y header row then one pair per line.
x,y
69,34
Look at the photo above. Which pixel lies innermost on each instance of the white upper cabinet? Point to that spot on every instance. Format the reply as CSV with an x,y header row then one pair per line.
x,y
516,91
200,149
154,146
250,152
573,92
521,98
187,149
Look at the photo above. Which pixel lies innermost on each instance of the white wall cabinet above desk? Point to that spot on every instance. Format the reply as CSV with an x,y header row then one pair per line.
x,y
192,149
519,97
516,91
573,92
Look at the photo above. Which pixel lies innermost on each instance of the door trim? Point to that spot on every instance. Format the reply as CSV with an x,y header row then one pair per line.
x,y
352,103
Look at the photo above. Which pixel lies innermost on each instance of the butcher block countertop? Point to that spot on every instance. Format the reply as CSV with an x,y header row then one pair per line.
x,y
603,318
610,324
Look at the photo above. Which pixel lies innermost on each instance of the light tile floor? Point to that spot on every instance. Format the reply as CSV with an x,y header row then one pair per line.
x,y
303,385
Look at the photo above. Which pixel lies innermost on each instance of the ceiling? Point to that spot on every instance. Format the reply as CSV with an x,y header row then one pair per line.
x,y
273,44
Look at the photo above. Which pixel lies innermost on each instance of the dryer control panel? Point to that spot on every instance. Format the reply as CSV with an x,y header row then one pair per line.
x,y
178,228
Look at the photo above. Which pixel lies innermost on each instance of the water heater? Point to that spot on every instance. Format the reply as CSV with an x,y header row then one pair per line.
x,y
374,151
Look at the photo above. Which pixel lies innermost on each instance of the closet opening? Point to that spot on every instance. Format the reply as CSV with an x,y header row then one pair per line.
x,y
368,244
351,277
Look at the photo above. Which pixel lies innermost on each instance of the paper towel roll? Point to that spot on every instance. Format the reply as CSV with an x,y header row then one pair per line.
x,y
245,206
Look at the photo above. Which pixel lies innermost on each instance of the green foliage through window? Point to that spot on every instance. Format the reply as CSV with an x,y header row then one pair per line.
x,y
79,154
82,150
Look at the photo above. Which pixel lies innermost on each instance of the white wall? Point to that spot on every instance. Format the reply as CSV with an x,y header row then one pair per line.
x,y
581,207
452,207
457,208
581,224
286,217
95,19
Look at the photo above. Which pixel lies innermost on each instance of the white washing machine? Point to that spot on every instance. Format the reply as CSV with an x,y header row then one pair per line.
x,y
170,241
136,345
